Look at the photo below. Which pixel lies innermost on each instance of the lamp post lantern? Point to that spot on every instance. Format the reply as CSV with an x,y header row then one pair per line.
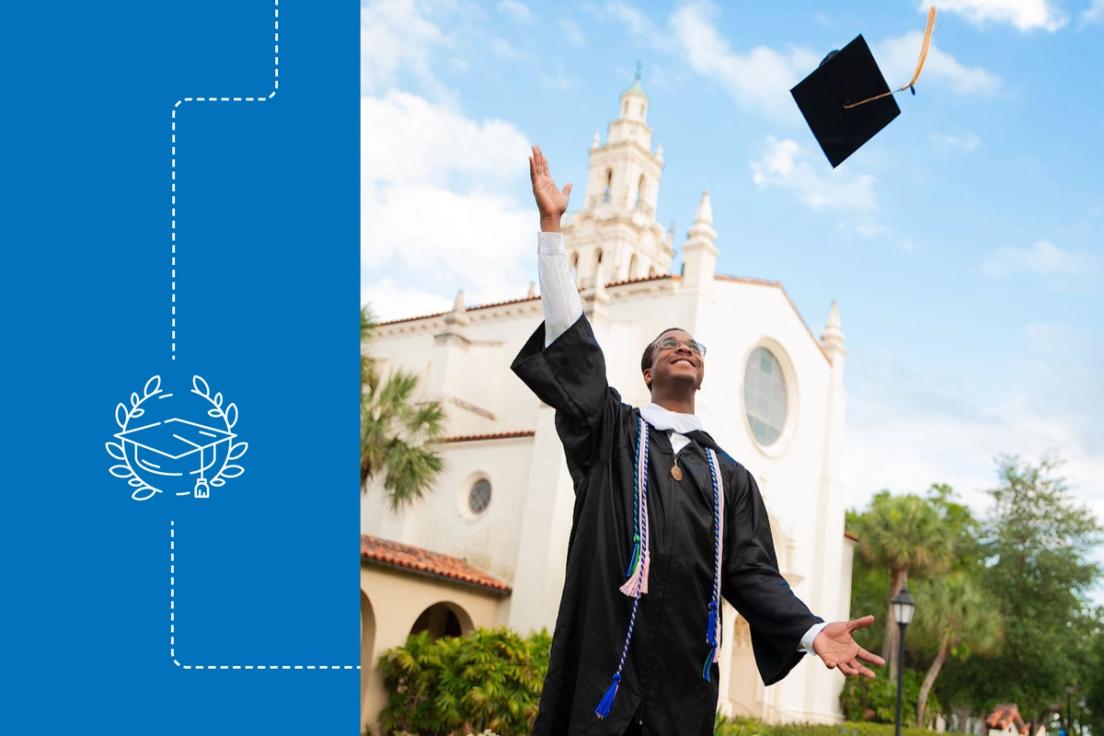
x,y
903,608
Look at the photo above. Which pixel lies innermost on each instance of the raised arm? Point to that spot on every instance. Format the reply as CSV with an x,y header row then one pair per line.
x,y
559,295
562,362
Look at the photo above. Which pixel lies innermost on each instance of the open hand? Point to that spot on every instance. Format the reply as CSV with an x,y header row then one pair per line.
x,y
835,646
551,201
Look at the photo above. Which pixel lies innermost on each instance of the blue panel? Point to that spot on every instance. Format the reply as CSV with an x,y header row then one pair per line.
x,y
265,569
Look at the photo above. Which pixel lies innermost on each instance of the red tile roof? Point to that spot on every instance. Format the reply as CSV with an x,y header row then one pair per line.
x,y
625,282
423,562
851,535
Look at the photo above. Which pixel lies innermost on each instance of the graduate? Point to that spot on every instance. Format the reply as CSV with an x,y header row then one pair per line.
x,y
665,525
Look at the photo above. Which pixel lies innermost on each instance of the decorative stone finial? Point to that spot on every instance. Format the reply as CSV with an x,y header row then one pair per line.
x,y
705,210
458,315
833,337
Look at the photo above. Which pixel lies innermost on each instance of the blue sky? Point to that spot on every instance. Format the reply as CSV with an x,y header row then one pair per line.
x,y
965,243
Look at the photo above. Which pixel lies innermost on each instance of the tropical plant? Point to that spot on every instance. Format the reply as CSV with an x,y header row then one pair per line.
x,y
876,700
901,534
396,431
960,620
1039,545
489,679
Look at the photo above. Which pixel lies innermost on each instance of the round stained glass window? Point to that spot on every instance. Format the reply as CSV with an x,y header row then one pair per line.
x,y
479,497
765,396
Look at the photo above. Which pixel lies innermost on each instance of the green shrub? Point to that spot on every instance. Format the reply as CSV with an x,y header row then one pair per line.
x,y
749,727
876,700
489,679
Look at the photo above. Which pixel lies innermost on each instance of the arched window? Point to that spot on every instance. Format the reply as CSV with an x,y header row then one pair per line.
x,y
574,260
609,185
640,192
598,256
479,496
651,271
634,264
442,619
765,396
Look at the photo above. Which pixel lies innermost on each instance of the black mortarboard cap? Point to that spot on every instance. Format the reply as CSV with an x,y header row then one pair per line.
x,y
845,77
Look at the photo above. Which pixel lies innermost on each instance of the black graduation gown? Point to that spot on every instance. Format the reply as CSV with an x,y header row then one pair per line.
x,y
662,682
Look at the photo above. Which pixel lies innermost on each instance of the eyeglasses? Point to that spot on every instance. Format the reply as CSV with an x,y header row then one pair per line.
x,y
670,343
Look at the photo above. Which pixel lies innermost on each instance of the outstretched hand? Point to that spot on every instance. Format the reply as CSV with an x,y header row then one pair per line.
x,y
835,646
551,201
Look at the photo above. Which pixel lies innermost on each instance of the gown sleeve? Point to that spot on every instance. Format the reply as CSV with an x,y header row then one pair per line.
x,y
752,583
570,376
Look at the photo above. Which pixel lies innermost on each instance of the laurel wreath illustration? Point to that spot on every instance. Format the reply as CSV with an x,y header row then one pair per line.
x,y
228,413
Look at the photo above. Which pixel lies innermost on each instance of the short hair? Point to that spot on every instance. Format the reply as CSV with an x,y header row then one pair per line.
x,y
649,351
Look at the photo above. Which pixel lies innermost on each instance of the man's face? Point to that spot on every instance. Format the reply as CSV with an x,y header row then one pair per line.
x,y
675,361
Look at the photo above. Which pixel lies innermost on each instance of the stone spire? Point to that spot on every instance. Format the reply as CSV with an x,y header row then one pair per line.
x,y
703,220
459,315
832,338
597,140
699,255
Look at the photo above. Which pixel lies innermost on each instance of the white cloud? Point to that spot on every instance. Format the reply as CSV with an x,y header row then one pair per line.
x,y
636,22
897,58
760,78
396,34
517,10
907,448
421,42
908,428
1043,259
948,143
390,301
571,32
1025,15
441,205
560,81
785,164
407,139
1094,13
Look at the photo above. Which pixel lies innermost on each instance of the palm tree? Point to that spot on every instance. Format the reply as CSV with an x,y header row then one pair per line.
x,y
959,619
902,534
396,432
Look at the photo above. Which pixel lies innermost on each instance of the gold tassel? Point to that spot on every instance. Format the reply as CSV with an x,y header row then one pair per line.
x,y
919,64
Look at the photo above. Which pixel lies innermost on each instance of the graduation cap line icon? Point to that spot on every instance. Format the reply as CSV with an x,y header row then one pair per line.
x,y
188,456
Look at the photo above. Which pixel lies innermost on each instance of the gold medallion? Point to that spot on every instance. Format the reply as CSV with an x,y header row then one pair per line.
x,y
676,472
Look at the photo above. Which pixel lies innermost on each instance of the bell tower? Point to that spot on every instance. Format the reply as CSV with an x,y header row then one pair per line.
x,y
615,235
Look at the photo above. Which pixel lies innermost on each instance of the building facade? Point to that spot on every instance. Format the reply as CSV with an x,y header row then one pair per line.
x,y
773,397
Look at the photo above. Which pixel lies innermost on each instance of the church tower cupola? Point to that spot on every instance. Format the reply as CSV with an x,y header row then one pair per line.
x,y
616,227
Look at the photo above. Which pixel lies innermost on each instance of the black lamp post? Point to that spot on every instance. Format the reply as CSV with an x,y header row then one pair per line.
x,y
903,608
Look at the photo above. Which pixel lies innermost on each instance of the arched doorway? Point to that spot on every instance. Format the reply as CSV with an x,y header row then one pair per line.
x,y
367,643
745,693
442,619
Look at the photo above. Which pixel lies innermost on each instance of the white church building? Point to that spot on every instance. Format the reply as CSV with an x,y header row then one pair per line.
x,y
487,545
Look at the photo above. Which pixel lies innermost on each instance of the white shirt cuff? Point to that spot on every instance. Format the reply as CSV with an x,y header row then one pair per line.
x,y
807,640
